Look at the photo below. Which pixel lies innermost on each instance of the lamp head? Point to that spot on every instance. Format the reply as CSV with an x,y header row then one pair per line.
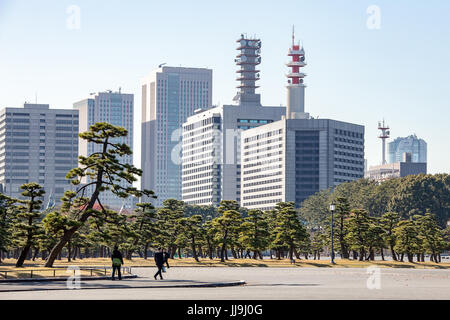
x,y
332,206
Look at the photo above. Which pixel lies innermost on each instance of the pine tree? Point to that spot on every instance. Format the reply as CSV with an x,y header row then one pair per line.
x,y
26,221
227,225
105,172
254,234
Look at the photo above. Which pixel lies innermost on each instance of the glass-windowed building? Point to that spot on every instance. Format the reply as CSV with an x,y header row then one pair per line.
x,y
291,159
169,96
38,144
411,144
116,108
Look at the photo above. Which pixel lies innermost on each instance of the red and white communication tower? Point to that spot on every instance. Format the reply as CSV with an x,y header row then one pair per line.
x,y
385,133
296,88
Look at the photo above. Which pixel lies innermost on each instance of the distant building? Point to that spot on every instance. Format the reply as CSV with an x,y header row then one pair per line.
x,y
399,169
411,144
292,159
115,108
38,144
169,96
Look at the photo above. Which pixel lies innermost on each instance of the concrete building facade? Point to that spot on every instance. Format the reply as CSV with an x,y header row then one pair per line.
x,y
211,156
38,144
291,159
118,109
169,96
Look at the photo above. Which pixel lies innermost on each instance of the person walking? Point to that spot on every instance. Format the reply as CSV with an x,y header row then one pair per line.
x,y
160,259
166,258
117,262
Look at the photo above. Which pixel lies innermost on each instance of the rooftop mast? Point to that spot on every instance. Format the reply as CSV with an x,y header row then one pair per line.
x,y
296,88
385,133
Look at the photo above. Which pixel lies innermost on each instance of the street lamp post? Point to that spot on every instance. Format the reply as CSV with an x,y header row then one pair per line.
x,y
332,207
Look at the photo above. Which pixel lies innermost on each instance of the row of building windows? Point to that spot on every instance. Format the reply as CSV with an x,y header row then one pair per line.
x,y
255,203
257,183
262,176
201,175
346,174
337,166
199,163
264,195
254,121
348,140
349,161
349,133
197,189
348,147
199,195
264,135
267,155
279,166
187,172
263,189
198,182
278,146
348,154
260,163
201,123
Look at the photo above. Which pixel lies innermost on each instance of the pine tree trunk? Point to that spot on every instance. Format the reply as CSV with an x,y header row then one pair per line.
x,y
394,256
23,255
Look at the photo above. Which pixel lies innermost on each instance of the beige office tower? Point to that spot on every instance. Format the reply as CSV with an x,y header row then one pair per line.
x,y
169,96
37,144
115,108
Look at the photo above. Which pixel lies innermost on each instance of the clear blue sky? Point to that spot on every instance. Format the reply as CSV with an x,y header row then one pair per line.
x,y
400,72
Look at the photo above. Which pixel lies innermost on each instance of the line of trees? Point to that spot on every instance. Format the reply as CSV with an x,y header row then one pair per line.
x,y
405,217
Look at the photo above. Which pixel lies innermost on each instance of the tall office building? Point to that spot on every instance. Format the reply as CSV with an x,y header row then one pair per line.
x,y
169,96
38,144
211,138
411,144
115,108
291,159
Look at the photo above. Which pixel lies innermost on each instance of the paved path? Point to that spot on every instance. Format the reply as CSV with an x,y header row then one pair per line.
x,y
268,283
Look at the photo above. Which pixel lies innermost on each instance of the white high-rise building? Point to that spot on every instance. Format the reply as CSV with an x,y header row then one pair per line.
x,y
115,108
38,144
169,96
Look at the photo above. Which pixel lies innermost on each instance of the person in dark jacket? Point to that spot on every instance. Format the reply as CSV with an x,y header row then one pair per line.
x,y
160,259
166,259
117,262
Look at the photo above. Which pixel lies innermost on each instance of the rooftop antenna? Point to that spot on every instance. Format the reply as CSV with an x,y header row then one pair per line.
x,y
385,133
36,96
293,35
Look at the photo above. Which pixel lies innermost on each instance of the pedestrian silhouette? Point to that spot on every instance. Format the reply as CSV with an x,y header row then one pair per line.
x,y
161,258
117,262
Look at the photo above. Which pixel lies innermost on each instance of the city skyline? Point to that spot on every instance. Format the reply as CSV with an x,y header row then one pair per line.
x,y
373,74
